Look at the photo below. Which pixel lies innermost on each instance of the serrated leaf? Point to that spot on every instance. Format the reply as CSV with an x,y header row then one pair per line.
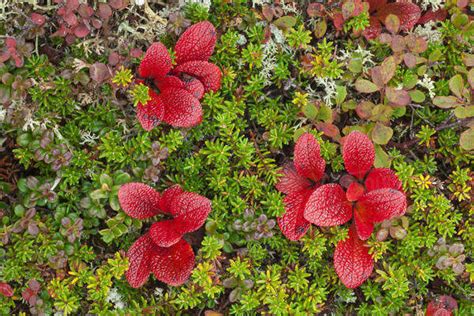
x,y
365,86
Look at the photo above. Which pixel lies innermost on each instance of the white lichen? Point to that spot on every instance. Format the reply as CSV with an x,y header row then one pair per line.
x,y
329,86
428,84
115,298
434,4
429,31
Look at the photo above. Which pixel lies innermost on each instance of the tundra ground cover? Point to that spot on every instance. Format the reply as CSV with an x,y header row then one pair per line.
x,y
243,157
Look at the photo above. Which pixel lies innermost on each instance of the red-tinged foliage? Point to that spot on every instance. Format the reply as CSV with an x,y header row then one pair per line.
x,y
328,206
152,113
352,261
380,178
183,86
442,306
139,200
298,182
354,191
438,15
156,63
6,289
182,109
358,153
293,224
162,250
196,43
306,149
139,257
173,265
206,72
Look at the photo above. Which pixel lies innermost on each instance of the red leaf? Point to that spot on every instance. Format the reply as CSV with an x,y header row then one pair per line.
x,y
363,223
104,12
374,5
191,211
209,74
6,289
156,63
173,265
37,19
152,113
195,87
373,30
438,15
196,43
380,178
167,198
169,82
328,206
292,223
181,108
139,257
408,13
354,191
338,21
308,161
81,30
139,200
352,261
358,153
291,181
442,306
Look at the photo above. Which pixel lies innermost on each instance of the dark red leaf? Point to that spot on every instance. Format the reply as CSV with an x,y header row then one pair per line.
x,y
292,223
195,87
181,108
168,197
308,161
196,43
191,211
380,178
373,30
104,12
6,289
81,30
352,261
169,82
374,5
156,63
38,19
173,265
291,181
442,306
328,206
209,74
354,191
408,13
438,15
139,257
139,200
99,72
358,153
152,113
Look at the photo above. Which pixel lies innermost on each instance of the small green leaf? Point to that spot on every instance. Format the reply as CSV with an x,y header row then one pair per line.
x,y
310,111
456,85
446,102
417,96
365,86
341,94
381,134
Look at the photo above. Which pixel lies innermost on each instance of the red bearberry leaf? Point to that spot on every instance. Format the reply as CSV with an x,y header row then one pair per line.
x,y
156,63
152,113
196,43
377,206
181,108
191,211
373,30
438,15
6,289
173,265
408,13
169,82
380,178
195,87
291,181
442,306
139,200
209,74
292,223
358,153
308,161
354,191
352,261
139,257
328,206
167,198
374,5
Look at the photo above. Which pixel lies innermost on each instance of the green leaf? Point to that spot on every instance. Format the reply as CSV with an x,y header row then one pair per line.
x,y
417,96
341,94
456,85
446,102
310,111
388,68
467,139
464,111
381,134
365,86
106,179
382,160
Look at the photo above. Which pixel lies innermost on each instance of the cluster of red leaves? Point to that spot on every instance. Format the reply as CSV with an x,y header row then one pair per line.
x,y
77,20
442,306
15,50
162,250
6,289
181,86
368,196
